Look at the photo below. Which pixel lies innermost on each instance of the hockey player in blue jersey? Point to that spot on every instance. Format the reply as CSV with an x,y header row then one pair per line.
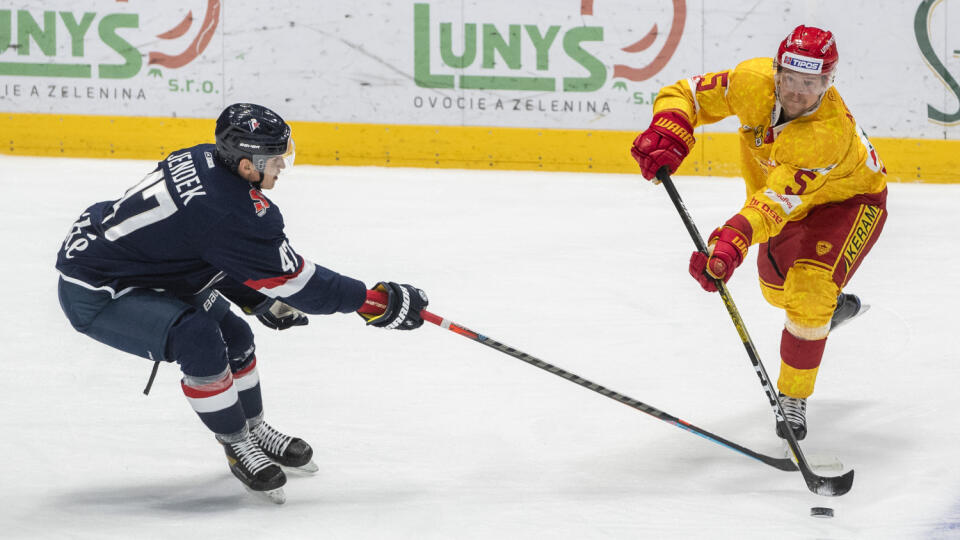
x,y
151,274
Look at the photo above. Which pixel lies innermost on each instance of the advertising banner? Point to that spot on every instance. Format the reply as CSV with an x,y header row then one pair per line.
x,y
112,58
571,64
540,85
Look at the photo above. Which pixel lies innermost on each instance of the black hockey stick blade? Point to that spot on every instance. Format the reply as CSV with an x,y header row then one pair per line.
x,y
829,486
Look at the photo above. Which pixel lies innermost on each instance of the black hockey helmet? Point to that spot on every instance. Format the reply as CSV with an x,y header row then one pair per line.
x,y
246,130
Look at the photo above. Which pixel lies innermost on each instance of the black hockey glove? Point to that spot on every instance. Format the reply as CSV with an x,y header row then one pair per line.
x,y
280,316
400,310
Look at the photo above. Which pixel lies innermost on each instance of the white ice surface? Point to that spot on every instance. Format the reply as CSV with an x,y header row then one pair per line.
x,y
430,435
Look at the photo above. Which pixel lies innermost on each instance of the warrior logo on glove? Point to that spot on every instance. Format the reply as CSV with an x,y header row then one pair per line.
x,y
394,307
665,143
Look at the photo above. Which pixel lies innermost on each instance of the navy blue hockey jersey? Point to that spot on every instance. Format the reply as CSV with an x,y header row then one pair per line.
x,y
183,224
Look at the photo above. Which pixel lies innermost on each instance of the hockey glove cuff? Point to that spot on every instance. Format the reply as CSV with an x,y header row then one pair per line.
x,y
277,315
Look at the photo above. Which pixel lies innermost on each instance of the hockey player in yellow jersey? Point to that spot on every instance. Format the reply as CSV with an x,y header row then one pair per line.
x,y
815,192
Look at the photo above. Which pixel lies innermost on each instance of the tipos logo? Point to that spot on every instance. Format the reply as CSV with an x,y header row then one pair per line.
x,y
89,35
479,52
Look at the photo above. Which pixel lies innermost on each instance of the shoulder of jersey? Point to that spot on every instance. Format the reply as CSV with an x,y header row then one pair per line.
x,y
750,91
762,67
203,159
205,156
230,194
221,188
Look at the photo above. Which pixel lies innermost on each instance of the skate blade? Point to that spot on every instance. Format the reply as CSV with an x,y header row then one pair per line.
x,y
863,309
817,462
276,496
309,468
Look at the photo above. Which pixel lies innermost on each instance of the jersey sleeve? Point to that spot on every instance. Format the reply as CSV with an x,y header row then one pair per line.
x,y
265,262
249,300
745,91
702,98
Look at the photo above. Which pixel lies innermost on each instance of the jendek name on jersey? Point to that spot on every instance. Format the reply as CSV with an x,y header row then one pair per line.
x,y
183,172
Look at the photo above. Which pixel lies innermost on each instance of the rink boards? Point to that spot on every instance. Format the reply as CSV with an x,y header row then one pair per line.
x,y
459,147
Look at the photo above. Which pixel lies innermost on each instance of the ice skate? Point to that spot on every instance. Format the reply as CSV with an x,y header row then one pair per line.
x,y
283,449
252,467
796,411
848,307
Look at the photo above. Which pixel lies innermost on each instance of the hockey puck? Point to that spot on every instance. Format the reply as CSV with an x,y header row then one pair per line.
x,y
821,512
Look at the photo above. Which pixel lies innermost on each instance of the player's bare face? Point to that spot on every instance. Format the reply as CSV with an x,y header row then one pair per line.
x,y
799,92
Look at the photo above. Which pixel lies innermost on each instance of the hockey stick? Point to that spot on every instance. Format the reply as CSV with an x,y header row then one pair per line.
x,y
784,464
821,485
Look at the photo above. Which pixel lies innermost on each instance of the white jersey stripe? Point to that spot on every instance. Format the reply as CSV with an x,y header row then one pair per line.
x,y
113,293
293,285
216,402
693,91
246,381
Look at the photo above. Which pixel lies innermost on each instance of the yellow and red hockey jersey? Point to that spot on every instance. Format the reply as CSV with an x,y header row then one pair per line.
x,y
821,157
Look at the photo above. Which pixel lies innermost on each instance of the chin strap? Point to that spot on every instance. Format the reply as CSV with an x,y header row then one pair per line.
x,y
257,185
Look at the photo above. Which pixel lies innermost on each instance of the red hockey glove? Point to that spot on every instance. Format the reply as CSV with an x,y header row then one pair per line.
x,y
666,142
730,243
